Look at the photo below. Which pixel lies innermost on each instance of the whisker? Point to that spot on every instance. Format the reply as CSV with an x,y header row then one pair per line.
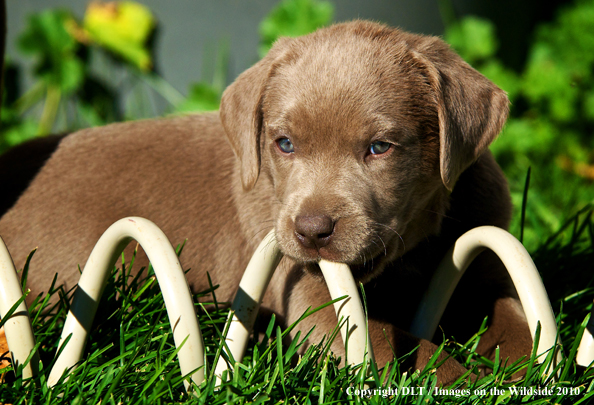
x,y
393,230
380,238
385,248
441,214
371,258
258,233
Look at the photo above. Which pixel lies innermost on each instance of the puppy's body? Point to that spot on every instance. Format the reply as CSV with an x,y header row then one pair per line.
x,y
307,125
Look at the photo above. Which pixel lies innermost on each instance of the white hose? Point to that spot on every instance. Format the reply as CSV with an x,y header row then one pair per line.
x,y
253,286
19,334
249,295
340,282
177,300
585,354
339,279
172,281
522,271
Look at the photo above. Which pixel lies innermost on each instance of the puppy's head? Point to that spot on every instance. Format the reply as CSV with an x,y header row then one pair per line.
x,y
362,130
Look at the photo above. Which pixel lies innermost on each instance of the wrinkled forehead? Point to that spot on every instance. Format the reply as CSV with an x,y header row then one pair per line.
x,y
333,86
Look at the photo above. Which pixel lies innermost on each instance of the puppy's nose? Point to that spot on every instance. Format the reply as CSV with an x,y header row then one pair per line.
x,y
314,231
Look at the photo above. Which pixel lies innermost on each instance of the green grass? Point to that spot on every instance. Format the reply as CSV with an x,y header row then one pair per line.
x,y
131,358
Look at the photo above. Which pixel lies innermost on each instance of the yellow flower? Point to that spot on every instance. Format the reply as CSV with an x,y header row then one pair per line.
x,y
123,28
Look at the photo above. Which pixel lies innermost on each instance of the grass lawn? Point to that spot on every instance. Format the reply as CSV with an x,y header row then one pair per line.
x,y
131,358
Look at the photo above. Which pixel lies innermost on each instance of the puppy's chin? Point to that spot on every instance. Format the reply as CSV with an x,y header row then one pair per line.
x,y
365,272
362,272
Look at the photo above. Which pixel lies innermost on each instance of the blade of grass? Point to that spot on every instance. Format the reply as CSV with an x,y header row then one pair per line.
x,y
524,204
574,347
280,358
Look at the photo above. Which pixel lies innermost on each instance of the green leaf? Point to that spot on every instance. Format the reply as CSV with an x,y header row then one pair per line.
x,y
503,77
526,137
68,75
202,97
589,104
548,80
46,34
48,40
18,133
473,38
292,18
572,36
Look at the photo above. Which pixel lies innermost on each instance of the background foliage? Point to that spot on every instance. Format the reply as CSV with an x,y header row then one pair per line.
x,y
549,130
551,122
67,95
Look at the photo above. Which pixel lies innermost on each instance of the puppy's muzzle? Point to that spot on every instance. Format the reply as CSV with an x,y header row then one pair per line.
x,y
314,231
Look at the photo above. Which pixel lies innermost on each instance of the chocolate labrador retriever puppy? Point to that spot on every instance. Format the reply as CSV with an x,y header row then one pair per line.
x,y
359,144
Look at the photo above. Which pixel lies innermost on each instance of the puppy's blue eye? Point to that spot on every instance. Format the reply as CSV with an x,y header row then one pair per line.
x,y
285,145
379,147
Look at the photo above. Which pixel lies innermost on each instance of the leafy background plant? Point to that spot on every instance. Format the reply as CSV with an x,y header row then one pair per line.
x,y
551,124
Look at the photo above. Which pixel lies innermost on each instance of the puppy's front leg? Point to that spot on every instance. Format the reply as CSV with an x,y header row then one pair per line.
x,y
303,291
389,341
509,331
507,328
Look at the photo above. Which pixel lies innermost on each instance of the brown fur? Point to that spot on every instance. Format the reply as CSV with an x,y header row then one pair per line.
x,y
390,217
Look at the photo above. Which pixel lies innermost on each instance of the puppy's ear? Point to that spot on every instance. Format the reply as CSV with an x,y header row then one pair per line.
x,y
241,113
471,109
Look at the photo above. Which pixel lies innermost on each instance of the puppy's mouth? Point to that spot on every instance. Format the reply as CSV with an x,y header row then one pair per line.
x,y
362,272
366,260
367,247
